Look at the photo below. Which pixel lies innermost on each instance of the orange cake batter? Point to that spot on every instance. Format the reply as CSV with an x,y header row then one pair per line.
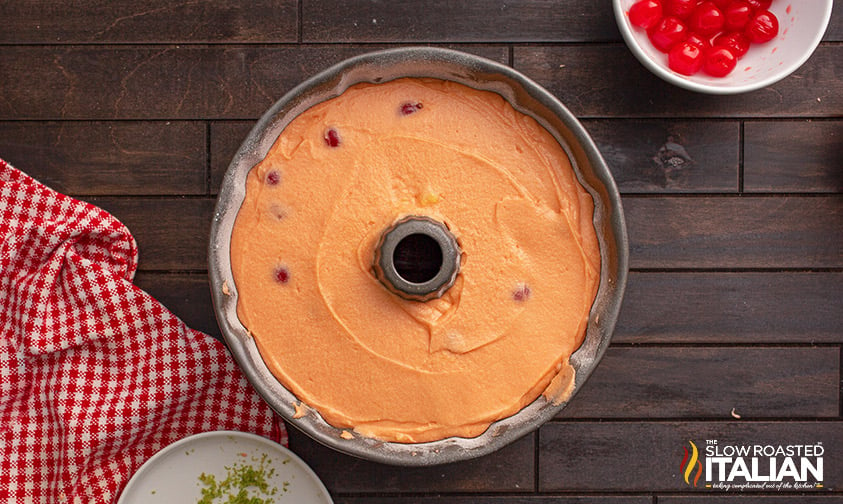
x,y
377,364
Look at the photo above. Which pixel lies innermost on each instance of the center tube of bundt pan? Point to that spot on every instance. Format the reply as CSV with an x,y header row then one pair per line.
x,y
417,258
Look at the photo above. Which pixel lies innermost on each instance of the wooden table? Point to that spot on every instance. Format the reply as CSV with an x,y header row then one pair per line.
x,y
732,325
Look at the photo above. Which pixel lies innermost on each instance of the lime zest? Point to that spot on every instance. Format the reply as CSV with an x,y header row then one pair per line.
x,y
244,483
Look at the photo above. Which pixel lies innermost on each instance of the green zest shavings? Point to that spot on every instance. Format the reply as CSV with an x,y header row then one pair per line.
x,y
243,484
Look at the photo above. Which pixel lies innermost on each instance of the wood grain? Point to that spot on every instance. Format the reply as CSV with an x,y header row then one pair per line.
x,y
645,456
732,307
748,499
731,232
172,233
508,499
511,469
577,75
702,382
644,157
457,21
834,32
226,138
122,21
263,21
162,82
359,21
793,156
110,158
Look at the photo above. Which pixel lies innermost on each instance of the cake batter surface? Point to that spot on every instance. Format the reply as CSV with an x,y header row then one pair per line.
x,y
303,244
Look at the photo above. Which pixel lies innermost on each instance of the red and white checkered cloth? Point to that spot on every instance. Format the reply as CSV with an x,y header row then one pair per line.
x,y
95,375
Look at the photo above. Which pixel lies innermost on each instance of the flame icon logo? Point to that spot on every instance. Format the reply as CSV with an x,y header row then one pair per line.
x,y
690,462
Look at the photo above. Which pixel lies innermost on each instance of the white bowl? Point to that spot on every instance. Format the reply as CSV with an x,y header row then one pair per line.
x,y
801,27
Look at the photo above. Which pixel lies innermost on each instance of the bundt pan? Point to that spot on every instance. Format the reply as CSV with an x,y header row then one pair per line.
x,y
526,97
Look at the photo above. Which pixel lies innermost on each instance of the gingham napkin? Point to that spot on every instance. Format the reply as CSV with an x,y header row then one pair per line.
x,y
95,375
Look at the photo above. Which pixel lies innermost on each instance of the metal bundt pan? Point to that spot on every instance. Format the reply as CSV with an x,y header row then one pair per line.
x,y
527,97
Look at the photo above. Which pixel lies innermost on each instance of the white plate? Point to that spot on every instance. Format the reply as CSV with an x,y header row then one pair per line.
x,y
172,474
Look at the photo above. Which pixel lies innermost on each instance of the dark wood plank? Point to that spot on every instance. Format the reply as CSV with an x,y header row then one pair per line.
x,y
646,456
749,499
732,232
457,21
701,382
835,25
110,158
226,138
162,82
510,469
793,156
172,233
746,307
41,22
577,74
187,296
120,21
669,156
507,499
